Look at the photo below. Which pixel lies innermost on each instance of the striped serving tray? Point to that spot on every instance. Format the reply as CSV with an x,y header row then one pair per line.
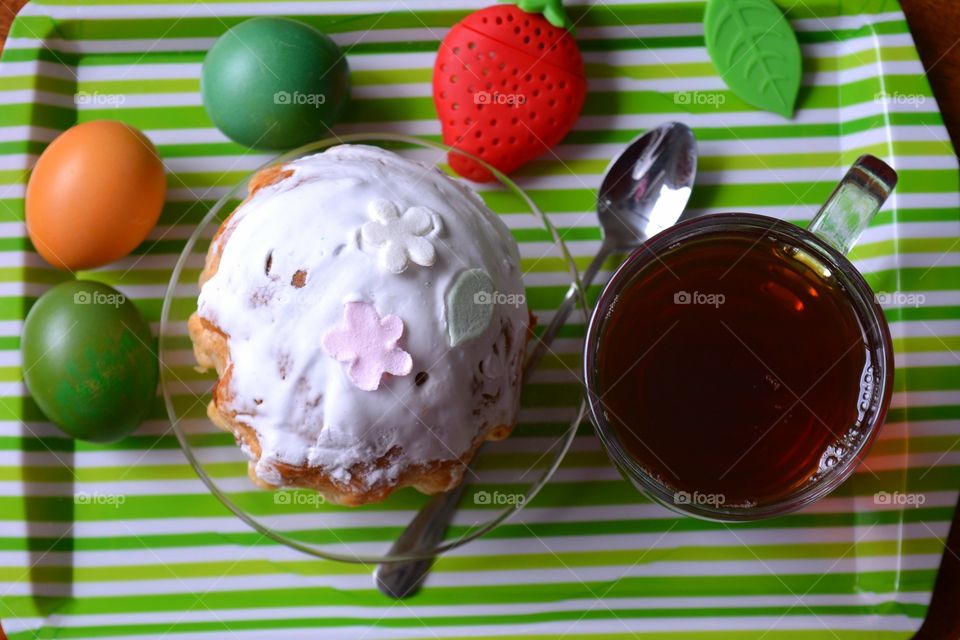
x,y
589,557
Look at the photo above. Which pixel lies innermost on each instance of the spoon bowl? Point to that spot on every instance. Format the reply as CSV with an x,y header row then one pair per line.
x,y
644,191
646,188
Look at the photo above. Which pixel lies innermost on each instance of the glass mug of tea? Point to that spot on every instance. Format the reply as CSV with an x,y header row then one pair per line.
x,y
737,366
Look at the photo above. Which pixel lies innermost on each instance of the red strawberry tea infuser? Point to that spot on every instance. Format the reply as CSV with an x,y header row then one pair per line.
x,y
508,85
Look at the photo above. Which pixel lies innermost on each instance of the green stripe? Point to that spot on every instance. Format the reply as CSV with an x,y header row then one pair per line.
x,y
601,15
931,517
375,77
258,502
598,103
624,588
531,561
812,634
600,613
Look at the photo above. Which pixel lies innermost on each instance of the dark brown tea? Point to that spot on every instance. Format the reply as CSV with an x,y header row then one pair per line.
x,y
734,368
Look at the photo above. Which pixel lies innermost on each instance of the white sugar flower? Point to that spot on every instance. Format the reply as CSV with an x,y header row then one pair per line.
x,y
400,238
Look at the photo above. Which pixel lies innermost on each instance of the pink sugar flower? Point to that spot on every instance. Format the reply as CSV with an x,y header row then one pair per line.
x,y
369,344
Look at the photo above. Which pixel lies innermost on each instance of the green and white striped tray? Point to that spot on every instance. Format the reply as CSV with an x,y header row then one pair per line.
x,y
589,558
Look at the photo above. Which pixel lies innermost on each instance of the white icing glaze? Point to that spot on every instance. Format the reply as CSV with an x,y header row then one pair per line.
x,y
297,398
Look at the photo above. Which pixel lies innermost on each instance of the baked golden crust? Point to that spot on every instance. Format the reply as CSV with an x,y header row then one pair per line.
x,y
211,349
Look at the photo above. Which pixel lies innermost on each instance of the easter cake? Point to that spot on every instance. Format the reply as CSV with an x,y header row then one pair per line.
x,y
366,319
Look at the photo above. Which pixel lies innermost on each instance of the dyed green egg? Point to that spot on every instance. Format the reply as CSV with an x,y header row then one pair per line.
x,y
88,361
274,83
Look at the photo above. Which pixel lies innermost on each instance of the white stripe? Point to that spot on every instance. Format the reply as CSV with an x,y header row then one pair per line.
x,y
421,611
601,152
183,11
901,201
482,547
928,358
589,628
240,483
11,327
526,576
758,146
682,90
687,86
36,68
404,61
27,132
925,398
924,328
680,55
473,517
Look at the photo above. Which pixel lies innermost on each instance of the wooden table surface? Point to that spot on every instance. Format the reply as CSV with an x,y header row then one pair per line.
x,y
935,25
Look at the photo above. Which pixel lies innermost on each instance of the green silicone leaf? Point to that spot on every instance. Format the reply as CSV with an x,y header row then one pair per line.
x,y
552,10
469,305
756,52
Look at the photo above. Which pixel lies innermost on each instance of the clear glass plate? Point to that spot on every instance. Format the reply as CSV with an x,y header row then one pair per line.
x,y
507,474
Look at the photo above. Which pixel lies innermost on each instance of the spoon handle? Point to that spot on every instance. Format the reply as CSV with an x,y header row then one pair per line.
x,y
402,579
563,312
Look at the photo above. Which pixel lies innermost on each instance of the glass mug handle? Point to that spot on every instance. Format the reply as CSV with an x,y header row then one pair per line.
x,y
854,202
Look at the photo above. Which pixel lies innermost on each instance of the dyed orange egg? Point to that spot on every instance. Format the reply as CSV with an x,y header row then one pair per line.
x,y
94,195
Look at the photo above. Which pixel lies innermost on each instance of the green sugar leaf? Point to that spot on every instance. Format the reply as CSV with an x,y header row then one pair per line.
x,y
756,52
469,306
